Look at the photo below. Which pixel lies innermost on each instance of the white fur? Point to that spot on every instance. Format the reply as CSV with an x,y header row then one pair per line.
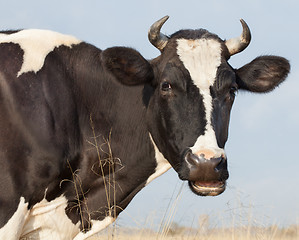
x,y
48,220
162,164
12,230
97,226
37,44
202,57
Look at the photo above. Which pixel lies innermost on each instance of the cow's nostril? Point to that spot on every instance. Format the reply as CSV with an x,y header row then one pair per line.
x,y
222,164
191,158
216,163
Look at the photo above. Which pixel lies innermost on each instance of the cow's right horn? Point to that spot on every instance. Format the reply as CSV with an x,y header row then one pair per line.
x,y
238,44
158,39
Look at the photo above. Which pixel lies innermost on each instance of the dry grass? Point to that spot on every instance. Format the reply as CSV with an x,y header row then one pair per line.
x,y
243,227
183,233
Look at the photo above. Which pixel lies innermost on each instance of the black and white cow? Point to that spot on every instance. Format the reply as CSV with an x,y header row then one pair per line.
x,y
83,130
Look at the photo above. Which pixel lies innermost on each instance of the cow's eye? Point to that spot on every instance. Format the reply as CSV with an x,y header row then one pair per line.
x,y
165,86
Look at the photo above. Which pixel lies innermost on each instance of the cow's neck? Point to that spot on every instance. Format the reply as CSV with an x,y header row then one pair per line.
x,y
111,116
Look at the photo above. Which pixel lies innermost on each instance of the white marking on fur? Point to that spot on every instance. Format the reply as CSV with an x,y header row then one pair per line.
x,y
48,220
202,57
97,226
162,164
37,44
13,228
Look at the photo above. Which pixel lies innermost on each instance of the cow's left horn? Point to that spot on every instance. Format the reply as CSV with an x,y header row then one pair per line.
x,y
159,40
236,45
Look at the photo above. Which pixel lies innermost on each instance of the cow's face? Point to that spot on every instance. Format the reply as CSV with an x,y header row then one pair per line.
x,y
189,91
194,90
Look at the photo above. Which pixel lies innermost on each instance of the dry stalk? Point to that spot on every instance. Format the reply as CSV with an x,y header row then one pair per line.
x,y
109,179
80,194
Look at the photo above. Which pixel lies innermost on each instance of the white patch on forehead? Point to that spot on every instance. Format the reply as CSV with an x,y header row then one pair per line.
x,y
202,57
162,164
37,44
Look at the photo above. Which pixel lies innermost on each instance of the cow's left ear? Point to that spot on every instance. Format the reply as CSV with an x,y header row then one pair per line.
x,y
127,65
263,74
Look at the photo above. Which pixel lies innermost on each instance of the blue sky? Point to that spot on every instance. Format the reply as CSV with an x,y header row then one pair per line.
x,y
264,129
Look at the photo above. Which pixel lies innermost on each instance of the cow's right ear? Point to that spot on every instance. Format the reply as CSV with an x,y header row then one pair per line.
x,y
127,65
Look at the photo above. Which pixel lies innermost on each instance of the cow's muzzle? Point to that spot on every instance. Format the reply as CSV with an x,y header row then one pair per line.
x,y
206,174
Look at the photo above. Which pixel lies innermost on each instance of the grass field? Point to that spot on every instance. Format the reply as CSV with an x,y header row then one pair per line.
x,y
242,225
183,233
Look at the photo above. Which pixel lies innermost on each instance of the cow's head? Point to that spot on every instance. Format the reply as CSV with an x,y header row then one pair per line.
x,y
189,91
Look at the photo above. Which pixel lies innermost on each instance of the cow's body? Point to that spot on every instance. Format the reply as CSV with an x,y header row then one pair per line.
x,y
71,114
53,121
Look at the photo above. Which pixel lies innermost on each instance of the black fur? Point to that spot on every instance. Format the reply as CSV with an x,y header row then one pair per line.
x,y
263,74
127,65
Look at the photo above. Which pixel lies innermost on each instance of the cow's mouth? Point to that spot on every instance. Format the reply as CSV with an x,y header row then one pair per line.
x,y
207,188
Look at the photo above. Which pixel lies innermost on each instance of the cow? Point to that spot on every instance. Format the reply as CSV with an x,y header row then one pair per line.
x,y
83,130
